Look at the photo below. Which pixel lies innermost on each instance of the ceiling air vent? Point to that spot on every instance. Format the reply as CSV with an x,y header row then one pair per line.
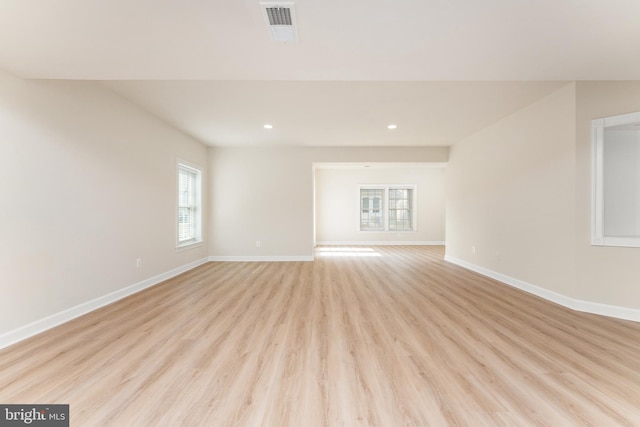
x,y
280,19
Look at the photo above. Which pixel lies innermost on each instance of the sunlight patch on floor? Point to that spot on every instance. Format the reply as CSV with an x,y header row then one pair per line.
x,y
347,252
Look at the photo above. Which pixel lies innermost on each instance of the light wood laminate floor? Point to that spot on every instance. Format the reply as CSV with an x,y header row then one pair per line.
x,y
385,336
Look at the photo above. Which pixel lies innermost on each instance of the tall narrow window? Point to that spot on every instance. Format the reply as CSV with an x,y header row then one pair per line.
x,y
371,209
189,205
400,209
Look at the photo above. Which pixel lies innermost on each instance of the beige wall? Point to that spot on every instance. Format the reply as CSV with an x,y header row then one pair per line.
x,y
510,194
522,188
266,194
88,186
337,203
607,275
260,194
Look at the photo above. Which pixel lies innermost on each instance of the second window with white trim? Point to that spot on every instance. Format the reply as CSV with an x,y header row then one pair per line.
x,y
387,208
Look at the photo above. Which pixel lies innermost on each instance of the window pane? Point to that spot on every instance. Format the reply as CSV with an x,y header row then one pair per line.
x,y
376,220
371,209
188,204
186,185
400,208
396,209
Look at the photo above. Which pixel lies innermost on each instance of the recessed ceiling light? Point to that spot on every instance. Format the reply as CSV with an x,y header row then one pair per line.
x,y
392,126
268,126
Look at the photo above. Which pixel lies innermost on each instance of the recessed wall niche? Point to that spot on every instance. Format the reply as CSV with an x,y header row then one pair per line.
x,y
615,209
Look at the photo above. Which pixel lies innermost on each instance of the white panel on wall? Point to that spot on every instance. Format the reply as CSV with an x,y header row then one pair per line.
x,y
621,183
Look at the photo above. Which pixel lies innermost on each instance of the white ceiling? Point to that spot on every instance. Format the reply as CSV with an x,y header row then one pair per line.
x,y
224,113
358,65
339,40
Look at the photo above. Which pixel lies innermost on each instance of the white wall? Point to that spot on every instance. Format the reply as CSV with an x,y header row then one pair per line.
x,y
337,203
510,194
266,194
88,186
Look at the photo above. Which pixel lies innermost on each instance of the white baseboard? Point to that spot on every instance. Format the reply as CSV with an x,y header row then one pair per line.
x,y
381,243
260,258
56,319
572,303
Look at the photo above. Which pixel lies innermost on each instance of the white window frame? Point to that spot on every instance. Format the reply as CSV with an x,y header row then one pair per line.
x,y
598,234
197,210
385,207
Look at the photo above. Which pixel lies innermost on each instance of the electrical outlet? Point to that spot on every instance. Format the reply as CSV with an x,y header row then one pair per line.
x,y
258,243
139,263
473,250
498,256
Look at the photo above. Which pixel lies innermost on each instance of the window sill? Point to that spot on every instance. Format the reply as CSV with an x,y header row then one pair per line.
x,y
388,231
190,245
